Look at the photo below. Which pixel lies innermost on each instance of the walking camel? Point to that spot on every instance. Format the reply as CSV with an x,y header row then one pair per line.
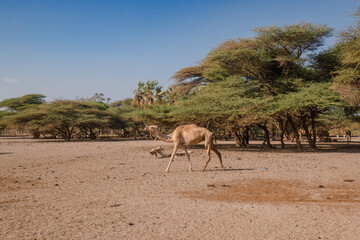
x,y
186,135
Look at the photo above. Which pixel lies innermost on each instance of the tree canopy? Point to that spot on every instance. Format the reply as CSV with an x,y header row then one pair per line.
x,y
275,84
282,75
21,103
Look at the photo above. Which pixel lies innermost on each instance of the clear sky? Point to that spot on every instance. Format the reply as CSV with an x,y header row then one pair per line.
x,y
70,49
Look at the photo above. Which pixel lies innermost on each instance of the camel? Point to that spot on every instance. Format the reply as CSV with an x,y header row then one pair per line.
x,y
160,150
186,135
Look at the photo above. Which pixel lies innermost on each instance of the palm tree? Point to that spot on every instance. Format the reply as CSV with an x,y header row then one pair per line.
x,y
148,93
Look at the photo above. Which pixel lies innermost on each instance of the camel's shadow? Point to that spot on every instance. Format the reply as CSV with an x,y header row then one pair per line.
x,y
4,153
353,147
230,170
240,169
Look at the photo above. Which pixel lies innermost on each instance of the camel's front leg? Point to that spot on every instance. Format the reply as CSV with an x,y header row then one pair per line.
x,y
172,156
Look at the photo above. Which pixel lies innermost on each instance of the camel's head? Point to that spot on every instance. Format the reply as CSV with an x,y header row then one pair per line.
x,y
152,128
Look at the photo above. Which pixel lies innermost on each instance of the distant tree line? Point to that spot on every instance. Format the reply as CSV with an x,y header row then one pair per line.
x,y
279,84
84,118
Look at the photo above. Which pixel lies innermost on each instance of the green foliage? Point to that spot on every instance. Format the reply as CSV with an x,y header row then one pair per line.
x,y
97,97
187,80
275,76
273,59
326,63
125,120
290,42
147,94
13,106
122,103
21,103
316,96
157,114
280,77
3,114
63,117
346,81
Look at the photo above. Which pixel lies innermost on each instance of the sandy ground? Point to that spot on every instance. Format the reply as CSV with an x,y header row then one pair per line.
x,y
117,190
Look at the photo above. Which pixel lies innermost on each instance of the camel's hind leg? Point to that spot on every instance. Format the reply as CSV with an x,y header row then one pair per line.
x,y
188,157
218,154
207,156
176,147
209,145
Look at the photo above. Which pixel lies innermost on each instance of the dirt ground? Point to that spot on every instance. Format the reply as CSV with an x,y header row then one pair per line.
x,y
117,190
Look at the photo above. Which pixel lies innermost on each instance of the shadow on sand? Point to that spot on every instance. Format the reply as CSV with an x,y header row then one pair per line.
x,y
5,153
256,146
239,169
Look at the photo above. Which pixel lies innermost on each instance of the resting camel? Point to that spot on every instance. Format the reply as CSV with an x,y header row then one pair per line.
x,y
186,135
160,150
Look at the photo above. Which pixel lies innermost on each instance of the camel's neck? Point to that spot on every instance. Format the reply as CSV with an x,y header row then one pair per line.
x,y
163,137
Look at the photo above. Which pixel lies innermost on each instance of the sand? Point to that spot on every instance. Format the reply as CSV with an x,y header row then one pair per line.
x,y
50,189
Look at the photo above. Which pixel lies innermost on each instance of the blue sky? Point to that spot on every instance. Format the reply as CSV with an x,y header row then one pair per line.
x,y
70,49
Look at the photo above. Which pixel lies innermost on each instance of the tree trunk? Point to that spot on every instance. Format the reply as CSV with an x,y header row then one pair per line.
x,y
266,136
295,131
282,128
236,136
307,133
273,133
92,135
35,133
64,132
225,135
69,132
67,135
246,136
282,140
313,129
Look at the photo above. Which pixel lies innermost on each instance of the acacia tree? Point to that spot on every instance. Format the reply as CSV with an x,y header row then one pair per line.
x,y
13,106
29,119
347,78
188,80
124,120
274,62
236,85
20,103
62,117
97,97
306,105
